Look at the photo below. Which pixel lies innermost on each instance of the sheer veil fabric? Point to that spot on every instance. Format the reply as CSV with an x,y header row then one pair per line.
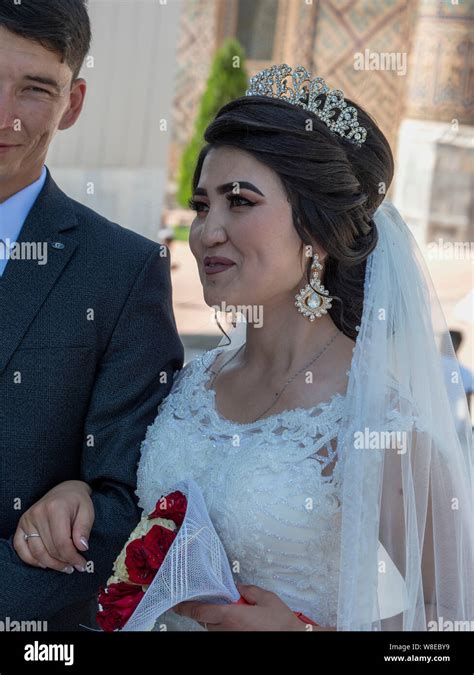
x,y
406,447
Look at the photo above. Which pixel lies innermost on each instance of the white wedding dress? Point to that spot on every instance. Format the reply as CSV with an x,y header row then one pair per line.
x,y
272,489
295,521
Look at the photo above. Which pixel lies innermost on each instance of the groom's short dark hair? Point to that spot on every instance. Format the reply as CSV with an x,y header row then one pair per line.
x,y
62,26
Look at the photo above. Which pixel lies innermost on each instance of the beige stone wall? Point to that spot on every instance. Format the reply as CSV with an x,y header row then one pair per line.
x,y
322,35
441,83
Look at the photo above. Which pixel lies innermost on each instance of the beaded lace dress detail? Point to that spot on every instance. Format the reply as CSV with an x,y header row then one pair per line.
x,y
271,487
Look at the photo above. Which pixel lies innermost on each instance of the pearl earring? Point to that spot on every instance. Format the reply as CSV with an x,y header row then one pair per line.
x,y
309,303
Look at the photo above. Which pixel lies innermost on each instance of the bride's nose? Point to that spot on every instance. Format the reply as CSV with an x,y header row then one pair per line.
x,y
213,231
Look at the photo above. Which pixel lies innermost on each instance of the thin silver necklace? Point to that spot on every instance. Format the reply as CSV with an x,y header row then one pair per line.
x,y
278,394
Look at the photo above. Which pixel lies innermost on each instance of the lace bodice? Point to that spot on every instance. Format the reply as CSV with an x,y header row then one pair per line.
x,y
272,488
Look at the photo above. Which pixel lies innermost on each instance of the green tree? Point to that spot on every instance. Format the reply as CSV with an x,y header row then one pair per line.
x,y
227,80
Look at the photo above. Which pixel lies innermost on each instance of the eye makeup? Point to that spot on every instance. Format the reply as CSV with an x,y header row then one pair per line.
x,y
234,200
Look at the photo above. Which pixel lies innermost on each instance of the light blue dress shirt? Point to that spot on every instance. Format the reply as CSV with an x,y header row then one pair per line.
x,y
13,213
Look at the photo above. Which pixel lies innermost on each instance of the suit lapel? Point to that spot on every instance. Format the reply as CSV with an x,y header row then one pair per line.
x,y
25,284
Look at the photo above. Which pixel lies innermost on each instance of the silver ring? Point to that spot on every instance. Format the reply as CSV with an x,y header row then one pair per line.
x,y
28,536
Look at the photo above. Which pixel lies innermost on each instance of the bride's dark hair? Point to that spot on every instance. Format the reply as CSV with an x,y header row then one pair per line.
x,y
333,185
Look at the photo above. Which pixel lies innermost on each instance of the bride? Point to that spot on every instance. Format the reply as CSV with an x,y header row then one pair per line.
x,y
323,438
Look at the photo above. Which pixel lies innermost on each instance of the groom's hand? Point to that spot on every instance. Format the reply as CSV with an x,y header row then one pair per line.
x,y
63,519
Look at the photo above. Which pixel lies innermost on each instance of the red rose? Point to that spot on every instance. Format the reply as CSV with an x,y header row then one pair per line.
x,y
136,562
157,543
145,555
118,601
173,507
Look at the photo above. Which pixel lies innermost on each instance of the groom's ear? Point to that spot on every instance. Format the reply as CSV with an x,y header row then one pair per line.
x,y
76,102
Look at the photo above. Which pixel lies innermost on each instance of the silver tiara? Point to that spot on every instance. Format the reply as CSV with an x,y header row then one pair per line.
x,y
307,92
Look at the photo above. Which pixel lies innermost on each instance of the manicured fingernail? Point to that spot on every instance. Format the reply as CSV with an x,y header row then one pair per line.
x,y
68,569
80,568
85,543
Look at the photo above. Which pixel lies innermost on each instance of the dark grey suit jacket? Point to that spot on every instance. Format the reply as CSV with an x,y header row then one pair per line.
x,y
84,341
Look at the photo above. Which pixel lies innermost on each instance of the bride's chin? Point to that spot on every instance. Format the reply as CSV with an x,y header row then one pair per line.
x,y
212,297
216,301
220,297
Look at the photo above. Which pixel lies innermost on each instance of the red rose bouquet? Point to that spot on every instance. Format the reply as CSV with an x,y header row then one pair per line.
x,y
139,561
174,554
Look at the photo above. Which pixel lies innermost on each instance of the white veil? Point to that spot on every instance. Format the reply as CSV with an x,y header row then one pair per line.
x,y
406,446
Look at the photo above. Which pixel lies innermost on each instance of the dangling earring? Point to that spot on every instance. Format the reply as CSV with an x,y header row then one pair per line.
x,y
309,303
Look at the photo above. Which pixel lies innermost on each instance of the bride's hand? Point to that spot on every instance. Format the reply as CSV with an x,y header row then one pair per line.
x,y
265,612
63,518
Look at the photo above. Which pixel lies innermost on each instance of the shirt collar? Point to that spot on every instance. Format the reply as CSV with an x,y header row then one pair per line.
x,y
15,210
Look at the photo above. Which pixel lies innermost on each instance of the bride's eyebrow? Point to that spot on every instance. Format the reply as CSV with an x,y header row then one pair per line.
x,y
230,187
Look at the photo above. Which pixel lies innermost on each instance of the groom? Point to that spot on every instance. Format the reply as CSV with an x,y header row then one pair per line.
x,y
88,341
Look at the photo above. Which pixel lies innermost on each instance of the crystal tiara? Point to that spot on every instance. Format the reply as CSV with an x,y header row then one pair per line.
x,y
306,93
